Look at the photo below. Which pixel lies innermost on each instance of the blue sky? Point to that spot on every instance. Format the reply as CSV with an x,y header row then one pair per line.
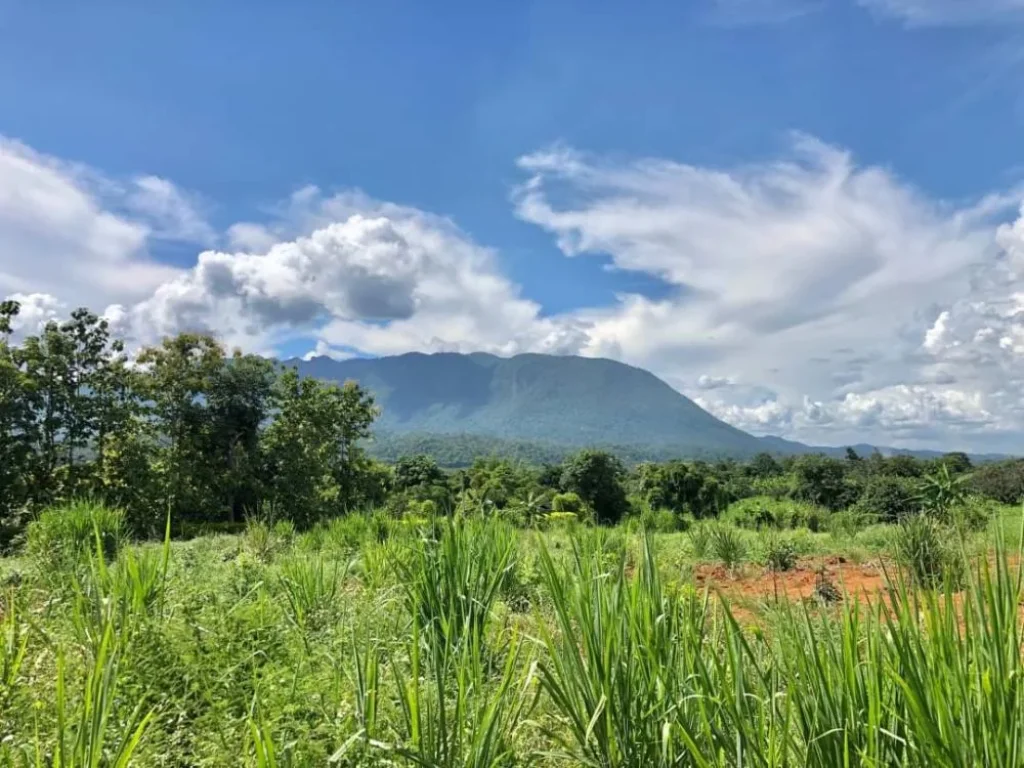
x,y
730,193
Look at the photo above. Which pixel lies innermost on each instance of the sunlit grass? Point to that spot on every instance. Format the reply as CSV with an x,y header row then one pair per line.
x,y
470,643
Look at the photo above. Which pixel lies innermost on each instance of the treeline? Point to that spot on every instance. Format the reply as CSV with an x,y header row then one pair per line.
x,y
186,429
183,428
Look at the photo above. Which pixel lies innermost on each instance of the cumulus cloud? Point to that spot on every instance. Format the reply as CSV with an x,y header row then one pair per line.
x,y
370,276
816,277
61,233
948,12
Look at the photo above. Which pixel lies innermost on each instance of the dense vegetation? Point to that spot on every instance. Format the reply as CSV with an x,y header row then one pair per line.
x,y
376,641
310,605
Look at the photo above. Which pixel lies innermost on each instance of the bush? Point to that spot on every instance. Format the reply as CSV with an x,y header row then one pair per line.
x,y
779,552
700,539
973,514
926,549
1002,481
761,512
847,523
888,499
568,503
63,535
727,545
656,521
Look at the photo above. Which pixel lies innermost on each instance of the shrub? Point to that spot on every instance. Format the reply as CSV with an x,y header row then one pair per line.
x,y
559,519
665,521
700,539
760,512
63,535
888,499
568,503
727,545
847,523
1002,481
777,487
779,552
656,521
926,549
972,514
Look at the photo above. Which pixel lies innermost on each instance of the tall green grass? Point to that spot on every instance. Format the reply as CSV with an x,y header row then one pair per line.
x,y
159,658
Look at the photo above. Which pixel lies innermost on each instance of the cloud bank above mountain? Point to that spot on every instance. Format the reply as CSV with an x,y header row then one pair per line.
x,y
806,295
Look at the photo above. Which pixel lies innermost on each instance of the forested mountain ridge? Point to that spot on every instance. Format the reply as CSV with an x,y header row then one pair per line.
x,y
552,400
541,408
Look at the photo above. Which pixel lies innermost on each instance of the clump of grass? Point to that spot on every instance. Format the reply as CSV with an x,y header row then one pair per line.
x,y
779,552
284,532
453,709
451,583
928,551
347,533
700,539
727,546
95,733
13,646
259,539
847,523
311,589
617,662
64,536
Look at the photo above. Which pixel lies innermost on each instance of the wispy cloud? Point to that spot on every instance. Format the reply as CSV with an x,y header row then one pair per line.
x,y
949,12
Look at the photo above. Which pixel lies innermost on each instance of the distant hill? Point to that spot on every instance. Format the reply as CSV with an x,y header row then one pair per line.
x,y
566,401
537,407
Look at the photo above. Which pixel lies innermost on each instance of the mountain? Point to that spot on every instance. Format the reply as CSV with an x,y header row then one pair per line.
x,y
566,401
537,407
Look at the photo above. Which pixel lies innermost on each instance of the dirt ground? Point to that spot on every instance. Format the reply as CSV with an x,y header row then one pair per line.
x,y
859,581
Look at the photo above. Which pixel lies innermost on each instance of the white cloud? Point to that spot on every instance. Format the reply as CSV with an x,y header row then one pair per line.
x,y
949,12
814,277
370,276
808,296
171,214
35,310
706,381
766,417
59,236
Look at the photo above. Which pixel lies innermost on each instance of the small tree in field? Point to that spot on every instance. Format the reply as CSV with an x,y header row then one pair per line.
x,y
596,476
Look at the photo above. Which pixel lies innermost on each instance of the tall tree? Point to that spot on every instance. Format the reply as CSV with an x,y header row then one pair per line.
x,y
238,401
596,477
314,464
177,382
17,426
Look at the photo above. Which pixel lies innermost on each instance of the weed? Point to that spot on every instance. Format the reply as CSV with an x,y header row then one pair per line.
x,y
727,546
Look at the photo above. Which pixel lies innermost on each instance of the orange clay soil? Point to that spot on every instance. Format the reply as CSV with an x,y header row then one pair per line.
x,y
858,581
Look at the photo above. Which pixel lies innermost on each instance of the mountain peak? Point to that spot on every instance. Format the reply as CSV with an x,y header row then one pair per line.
x,y
558,399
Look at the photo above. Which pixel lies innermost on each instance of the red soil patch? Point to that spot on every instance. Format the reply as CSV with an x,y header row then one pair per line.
x,y
858,581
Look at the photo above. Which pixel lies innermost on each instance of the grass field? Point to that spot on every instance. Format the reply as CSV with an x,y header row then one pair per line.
x,y
371,641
